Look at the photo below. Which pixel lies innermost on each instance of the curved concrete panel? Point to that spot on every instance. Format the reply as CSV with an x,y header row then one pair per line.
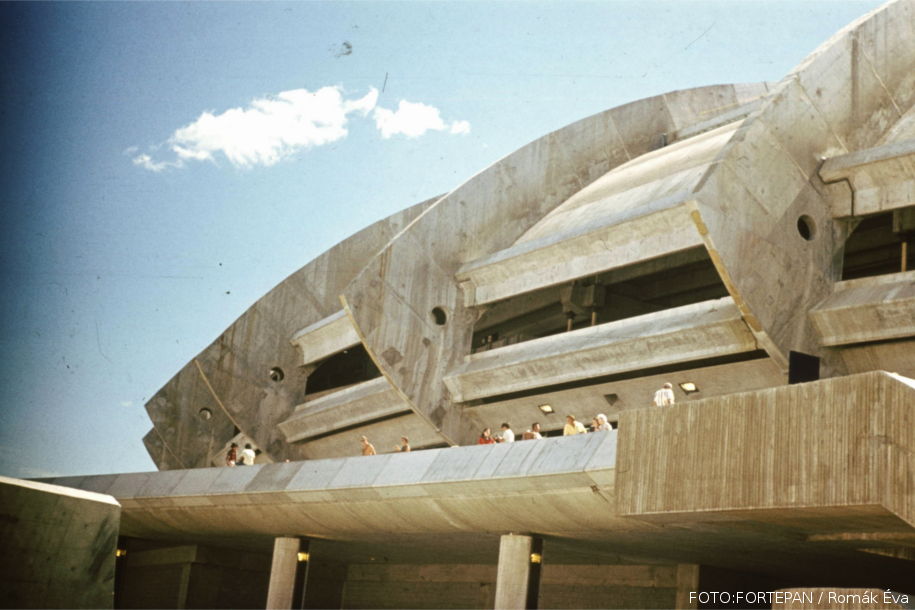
x,y
406,303
845,96
231,378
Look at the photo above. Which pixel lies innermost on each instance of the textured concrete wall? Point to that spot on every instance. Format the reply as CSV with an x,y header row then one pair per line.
x,y
847,95
192,576
473,586
57,546
839,442
391,300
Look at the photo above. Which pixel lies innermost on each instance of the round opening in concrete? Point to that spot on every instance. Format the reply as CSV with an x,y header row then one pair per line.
x,y
205,414
277,374
439,315
806,227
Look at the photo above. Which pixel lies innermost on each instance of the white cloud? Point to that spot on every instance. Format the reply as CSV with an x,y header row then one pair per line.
x,y
460,127
145,161
268,130
277,127
413,119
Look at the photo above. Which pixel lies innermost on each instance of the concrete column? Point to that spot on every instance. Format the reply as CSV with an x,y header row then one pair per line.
x,y
287,573
687,586
518,575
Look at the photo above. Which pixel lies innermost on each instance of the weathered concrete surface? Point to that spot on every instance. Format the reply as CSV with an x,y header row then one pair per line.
x,y
283,573
58,546
845,442
844,97
513,573
632,213
392,299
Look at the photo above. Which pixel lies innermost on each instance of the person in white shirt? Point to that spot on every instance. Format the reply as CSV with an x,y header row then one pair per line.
x,y
533,433
507,435
602,423
665,396
248,455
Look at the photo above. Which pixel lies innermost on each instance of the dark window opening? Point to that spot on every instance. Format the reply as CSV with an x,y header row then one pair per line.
x,y
349,367
878,243
663,283
802,367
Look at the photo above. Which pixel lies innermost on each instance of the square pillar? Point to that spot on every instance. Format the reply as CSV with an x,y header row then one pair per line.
x,y
518,574
287,573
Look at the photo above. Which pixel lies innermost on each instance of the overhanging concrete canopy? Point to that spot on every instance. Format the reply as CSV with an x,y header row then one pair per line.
x,y
697,483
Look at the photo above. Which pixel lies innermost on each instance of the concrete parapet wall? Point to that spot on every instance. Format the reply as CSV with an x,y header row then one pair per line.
x,y
58,546
551,485
839,442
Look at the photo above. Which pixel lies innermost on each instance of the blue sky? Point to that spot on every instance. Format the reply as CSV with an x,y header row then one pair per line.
x,y
166,164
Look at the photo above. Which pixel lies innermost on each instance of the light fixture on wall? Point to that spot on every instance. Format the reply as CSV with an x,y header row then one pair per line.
x,y
546,408
688,387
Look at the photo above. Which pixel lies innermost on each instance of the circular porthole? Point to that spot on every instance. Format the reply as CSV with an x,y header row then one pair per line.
x,y
439,315
277,374
806,227
205,414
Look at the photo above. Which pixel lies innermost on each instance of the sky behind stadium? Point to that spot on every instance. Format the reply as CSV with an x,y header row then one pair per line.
x,y
165,164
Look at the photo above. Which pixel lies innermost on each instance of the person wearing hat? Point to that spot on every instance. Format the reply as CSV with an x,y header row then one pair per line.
x,y
665,396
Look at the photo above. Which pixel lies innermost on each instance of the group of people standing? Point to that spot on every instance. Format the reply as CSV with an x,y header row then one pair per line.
x,y
245,459
662,398
508,435
572,426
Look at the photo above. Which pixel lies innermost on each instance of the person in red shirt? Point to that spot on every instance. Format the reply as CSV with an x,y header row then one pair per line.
x,y
486,437
232,455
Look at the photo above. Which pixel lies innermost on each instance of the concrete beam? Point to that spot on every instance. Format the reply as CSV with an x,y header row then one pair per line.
x,y
865,310
356,404
608,242
691,332
325,337
882,177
